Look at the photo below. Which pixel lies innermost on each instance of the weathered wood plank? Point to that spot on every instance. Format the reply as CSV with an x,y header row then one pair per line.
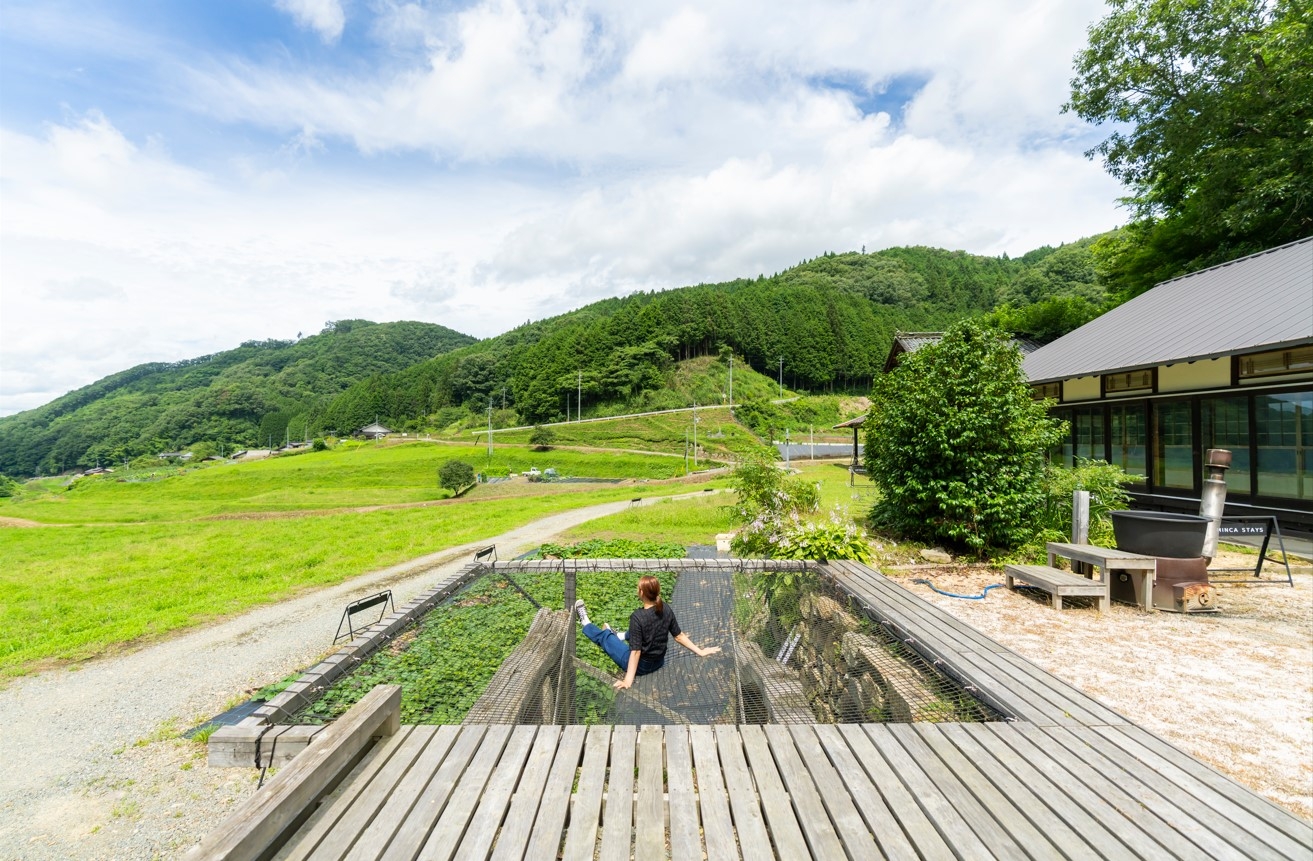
x,y
754,841
518,826
1031,805
1093,833
260,823
1157,795
349,807
685,835
366,800
1115,820
937,808
1115,793
419,800
649,808
586,806
717,824
781,820
496,798
848,823
514,694
1001,844
880,820
1244,809
1002,808
618,810
545,841
455,818
822,841
920,831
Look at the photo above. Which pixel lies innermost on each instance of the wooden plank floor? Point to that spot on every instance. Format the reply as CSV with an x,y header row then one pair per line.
x,y
858,791
1063,777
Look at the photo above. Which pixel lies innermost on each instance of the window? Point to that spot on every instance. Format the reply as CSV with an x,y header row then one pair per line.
x,y
1132,381
1294,362
1173,449
1088,424
1224,423
1046,391
1062,451
1129,438
1284,424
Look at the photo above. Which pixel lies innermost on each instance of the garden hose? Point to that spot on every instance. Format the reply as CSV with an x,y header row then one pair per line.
x,y
979,597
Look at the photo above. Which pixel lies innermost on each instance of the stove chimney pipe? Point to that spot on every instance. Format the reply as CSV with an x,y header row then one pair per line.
x,y
1213,500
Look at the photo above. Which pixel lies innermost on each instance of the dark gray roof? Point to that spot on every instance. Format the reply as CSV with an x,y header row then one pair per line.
x,y
1264,300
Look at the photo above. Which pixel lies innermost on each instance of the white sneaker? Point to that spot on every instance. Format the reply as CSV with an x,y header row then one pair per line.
x,y
581,611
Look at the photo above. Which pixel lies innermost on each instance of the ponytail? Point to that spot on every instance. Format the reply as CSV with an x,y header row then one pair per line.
x,y
650,588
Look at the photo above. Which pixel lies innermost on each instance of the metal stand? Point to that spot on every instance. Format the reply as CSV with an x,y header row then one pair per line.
x,y
384,598
1268,528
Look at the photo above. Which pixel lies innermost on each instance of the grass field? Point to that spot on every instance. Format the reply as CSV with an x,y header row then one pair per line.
x,y
720,436
131,561
346,478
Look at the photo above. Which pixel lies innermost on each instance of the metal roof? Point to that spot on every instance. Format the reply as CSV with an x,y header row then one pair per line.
x,y
1264,300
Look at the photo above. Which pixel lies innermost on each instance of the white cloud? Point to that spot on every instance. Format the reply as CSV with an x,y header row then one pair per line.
x,y
325,17
567,151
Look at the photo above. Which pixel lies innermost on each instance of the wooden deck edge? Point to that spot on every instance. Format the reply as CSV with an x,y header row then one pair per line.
x,y
263,820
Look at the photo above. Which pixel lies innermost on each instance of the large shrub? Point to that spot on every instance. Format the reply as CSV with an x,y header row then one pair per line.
x,y
956,443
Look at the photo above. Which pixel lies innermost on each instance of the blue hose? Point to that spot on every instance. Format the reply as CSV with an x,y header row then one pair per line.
x,y
979,597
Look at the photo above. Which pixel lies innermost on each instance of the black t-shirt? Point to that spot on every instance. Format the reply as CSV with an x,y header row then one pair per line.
x,y
650,633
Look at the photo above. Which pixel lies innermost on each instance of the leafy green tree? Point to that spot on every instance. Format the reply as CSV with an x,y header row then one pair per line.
x,y
956,443
1213,105
455,476
542,438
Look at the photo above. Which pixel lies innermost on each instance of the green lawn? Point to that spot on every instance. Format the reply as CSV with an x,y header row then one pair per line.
x,y
140,559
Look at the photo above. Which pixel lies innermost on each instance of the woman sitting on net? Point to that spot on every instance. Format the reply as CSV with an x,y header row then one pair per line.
x,y
641,649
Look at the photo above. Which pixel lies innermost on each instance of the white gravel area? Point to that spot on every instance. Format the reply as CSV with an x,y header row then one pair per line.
x,y
91,762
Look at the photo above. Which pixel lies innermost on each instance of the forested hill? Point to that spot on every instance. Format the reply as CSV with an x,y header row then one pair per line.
x,y
260,391
831,320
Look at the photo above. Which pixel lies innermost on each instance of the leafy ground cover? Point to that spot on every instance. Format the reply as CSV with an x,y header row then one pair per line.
x,y
76,591
444,663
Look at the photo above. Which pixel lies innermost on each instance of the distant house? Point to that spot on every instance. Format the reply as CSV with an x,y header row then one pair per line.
x,y
1220,358
373,431
174,455
910,342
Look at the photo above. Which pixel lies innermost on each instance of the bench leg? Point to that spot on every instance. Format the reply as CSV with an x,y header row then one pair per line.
x,y
1057,601
1008,579
1105,603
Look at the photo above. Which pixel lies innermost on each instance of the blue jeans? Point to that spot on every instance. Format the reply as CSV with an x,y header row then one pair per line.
x,y
618,649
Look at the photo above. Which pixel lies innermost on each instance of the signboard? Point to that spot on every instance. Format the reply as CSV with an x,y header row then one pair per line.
x,y
1244,529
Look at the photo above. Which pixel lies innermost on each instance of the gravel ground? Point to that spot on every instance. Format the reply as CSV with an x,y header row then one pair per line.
x,y
91,762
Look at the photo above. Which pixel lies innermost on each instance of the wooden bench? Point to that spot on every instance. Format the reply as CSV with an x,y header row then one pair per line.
x,y
1141,569
1057,583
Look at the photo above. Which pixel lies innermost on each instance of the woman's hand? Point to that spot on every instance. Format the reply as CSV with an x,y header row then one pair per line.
x,y
623,684
710,650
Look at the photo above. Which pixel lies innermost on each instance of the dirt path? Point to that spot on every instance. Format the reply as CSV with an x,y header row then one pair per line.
x,y
92,765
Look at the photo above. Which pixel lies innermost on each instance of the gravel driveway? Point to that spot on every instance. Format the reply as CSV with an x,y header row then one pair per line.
x,y
91,765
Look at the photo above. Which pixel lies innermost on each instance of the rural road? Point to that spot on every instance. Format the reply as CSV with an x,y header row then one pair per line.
x,y
90,765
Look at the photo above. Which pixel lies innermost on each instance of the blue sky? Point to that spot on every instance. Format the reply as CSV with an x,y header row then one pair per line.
x,y
178,177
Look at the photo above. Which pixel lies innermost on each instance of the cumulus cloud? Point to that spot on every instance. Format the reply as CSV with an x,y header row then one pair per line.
x,y
325,17
501,160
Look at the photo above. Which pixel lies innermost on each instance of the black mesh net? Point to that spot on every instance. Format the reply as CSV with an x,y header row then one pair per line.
x,y
794,649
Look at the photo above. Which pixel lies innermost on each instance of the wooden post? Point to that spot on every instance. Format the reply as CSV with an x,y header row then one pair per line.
x,y
565,671
1080,527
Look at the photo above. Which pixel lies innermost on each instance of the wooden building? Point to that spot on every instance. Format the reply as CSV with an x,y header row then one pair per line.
x,y
1220,358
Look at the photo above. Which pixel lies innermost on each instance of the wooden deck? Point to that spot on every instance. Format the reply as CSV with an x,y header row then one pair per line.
x,y
848,791
1064,777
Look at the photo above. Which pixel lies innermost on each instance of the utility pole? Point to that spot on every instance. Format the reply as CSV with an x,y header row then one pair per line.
x,y
695,434
685,451
781,377
489,430
579,407
731,380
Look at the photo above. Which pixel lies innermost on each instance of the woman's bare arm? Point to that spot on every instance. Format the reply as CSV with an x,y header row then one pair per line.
x,y
684,641
629,673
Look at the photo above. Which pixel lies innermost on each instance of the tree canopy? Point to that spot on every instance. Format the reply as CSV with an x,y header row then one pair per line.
x,y
1211,102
